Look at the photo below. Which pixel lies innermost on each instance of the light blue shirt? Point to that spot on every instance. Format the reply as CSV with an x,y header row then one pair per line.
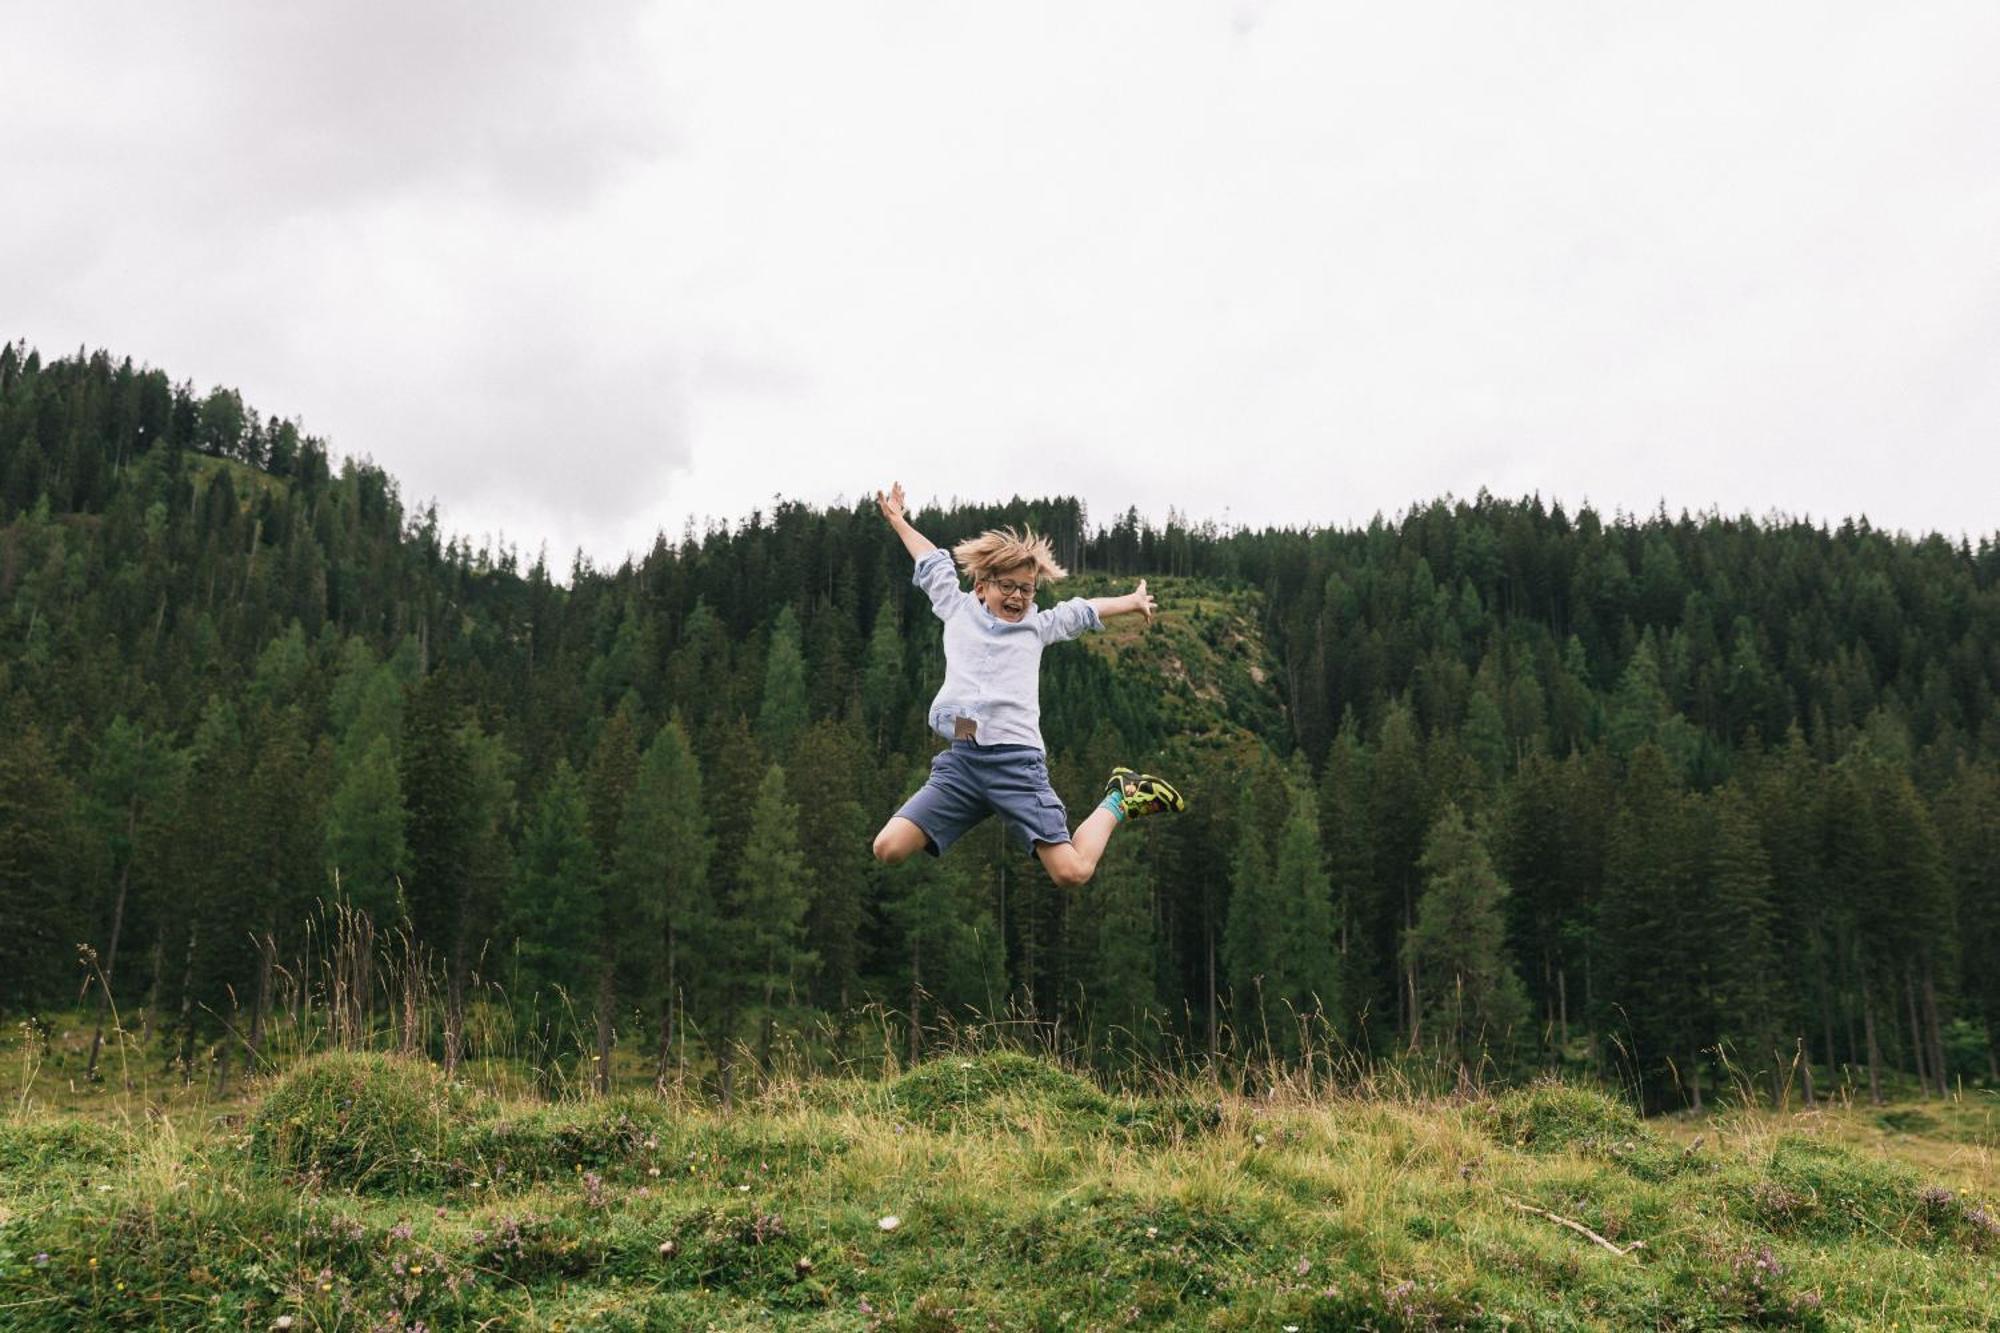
x,y
993,667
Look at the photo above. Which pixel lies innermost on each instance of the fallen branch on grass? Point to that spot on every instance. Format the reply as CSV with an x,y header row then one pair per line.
x,y
1622,1251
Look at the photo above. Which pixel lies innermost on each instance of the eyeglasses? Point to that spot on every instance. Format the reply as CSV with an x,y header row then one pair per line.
x,y
1009,588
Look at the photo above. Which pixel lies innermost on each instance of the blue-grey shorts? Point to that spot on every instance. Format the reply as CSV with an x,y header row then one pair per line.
x,y
969,782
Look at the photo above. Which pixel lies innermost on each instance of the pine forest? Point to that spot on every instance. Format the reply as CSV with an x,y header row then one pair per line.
x,y
1493,787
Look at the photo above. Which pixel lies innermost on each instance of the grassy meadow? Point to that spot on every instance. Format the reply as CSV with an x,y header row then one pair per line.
x,y
981,1189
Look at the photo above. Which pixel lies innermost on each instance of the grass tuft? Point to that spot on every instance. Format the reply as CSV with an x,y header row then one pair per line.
x,y
365,1122
1002,1087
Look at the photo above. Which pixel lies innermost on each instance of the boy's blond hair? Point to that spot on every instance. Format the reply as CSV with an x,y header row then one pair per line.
x,y
998,550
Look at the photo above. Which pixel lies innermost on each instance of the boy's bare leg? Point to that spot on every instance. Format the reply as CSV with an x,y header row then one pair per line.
x,y
899,840
1072,863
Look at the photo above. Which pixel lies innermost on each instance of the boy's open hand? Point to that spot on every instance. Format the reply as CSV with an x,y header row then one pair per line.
x,y
1142,601
891,504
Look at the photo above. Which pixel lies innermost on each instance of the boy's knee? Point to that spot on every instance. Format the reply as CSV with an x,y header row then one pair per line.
x,y
1066,868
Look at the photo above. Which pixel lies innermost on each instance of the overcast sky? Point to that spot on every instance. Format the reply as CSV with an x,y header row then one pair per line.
x,y
582,272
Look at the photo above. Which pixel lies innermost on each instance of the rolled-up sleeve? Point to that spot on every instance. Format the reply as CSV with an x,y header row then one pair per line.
x,y
1067,620
937,576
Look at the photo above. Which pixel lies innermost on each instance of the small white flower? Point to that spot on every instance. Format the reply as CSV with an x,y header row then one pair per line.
x,y
1257,1139
965,1064
890,1223
282,1321
742,1189
1291,1328
1152,1233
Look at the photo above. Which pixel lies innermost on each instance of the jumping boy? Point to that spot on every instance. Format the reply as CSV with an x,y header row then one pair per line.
x,y
990,705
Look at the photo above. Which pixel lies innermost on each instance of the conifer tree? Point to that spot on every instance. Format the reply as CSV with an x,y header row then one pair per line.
x,y
834,838
1738,962
659,891
1281,949
608,785
365,847
782,715
1123,984
1785,790
489,869
1251,954
1308,974
439,818
947,940
1968,818
1470,1003
554,911
1343,823
1398,818
882,677
1646,997
766,923
130,773
37,806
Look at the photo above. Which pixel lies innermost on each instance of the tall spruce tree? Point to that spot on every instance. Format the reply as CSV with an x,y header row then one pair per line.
x,y
834,837
882,678
1737,960
768,919
1648,1005
1969,826
1123,980
366,852
1470,1003
608,785
554,912
660,879
37,850
782,715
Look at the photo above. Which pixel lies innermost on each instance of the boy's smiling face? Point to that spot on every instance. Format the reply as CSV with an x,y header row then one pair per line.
x,y
1009,595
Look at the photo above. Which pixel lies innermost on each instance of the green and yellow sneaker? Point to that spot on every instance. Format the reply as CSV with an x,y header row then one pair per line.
x,y
1132,795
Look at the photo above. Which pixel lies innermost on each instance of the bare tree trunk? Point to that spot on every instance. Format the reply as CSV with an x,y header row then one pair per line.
x,y
1805,1068
916,998
1858,1044
606,994
1410,998
454,983
187,1008
1918,1055
1694,1078
110,959
1214,1030
1562,1004
667,1003
1874,1051
1936,1031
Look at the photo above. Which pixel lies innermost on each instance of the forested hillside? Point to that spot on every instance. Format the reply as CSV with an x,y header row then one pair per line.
x,y
1493,782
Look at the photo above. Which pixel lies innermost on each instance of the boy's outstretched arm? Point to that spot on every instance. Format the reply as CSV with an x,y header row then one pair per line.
x,y
1137,600
891,506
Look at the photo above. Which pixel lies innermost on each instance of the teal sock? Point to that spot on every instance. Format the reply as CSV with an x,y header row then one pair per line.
x,y
1114,801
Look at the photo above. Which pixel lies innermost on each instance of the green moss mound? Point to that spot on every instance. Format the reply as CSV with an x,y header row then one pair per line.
x,y
1555,1117
984,1090
370,1123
